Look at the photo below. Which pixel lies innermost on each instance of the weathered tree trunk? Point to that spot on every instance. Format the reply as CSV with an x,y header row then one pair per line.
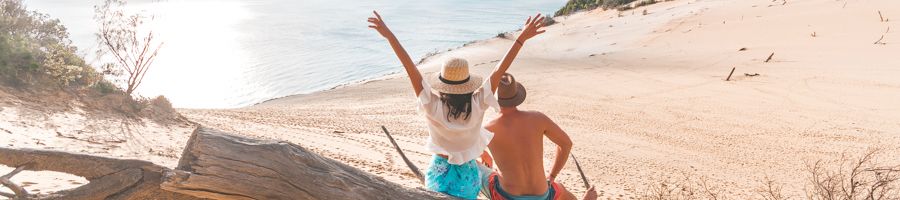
x,y
109,178
222,166
214,165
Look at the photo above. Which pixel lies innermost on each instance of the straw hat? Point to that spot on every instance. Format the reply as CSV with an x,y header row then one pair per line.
x,y
454,78
510,93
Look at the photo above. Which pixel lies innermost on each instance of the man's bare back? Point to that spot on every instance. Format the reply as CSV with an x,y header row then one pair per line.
x,y
517,149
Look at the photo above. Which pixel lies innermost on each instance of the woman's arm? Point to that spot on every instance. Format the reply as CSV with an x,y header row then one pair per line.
x,y
414,76
531,29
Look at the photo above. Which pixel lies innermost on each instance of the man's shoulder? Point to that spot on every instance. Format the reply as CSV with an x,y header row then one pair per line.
x,y
536,114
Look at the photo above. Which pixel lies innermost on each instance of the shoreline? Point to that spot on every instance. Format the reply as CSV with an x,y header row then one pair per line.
x,y
427,58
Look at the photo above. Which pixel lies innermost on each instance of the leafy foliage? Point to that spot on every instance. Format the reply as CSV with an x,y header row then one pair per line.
x,y
573,6
34,47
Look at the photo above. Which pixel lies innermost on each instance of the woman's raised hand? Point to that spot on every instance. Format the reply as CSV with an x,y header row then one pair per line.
x,y
378,24
532,28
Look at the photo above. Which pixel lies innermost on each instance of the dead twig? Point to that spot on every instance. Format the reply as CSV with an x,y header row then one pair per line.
x,y
729,74
880,16
409,164
879,40
754,74
770,57
7,195
770,190
19,190
587,184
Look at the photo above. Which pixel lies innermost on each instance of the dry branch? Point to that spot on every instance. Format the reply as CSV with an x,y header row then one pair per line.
x,y
409,164
880,16
729,74
7,195
879,40
770,190
770,57
18,190
109,178
587,184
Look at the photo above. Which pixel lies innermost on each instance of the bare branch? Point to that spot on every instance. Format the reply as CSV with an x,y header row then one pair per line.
x,y
879,40
19,190
120,36
8,195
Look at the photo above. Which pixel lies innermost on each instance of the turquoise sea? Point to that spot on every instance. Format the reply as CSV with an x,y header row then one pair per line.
x,y
234,53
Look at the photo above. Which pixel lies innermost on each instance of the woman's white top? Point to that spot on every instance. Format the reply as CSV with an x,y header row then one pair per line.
x,y
460,139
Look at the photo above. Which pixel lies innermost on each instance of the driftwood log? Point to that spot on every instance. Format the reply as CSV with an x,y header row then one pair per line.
x,y
109,178
215,165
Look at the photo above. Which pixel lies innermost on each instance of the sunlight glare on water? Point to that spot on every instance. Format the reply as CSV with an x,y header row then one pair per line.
x,y
234,53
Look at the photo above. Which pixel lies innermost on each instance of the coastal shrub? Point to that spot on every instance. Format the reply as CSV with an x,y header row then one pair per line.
x,y
573,6
36,50
105,87
36,54
617,4
549,21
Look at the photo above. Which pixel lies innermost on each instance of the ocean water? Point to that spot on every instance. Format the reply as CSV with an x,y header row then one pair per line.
x,y
235,53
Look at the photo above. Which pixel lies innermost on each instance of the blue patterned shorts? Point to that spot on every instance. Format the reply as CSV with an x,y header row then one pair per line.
x,y
463,181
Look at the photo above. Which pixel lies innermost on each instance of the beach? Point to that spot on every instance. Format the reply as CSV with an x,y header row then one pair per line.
x,y
647,96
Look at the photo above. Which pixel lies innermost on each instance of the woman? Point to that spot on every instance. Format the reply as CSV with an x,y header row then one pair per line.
x,y
454,114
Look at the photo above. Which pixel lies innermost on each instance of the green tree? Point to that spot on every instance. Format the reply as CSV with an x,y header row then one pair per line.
x,y
33,46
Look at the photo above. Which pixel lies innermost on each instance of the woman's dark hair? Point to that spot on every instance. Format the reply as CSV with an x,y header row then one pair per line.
x,y
457,104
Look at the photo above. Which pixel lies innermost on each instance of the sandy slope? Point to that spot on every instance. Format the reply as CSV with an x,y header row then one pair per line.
x,y
35,124
644,96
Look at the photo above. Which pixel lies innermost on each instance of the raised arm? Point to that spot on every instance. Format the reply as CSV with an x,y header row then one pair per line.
x,y
531,29
414,76
563,145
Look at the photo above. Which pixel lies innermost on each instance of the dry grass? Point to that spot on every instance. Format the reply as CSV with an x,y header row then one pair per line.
x,y
683,187
847,178
853,178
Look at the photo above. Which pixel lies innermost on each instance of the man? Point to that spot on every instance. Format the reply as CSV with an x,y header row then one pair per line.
x,y
517,149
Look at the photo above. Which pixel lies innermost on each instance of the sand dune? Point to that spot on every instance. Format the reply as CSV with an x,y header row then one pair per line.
x,y
644,97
